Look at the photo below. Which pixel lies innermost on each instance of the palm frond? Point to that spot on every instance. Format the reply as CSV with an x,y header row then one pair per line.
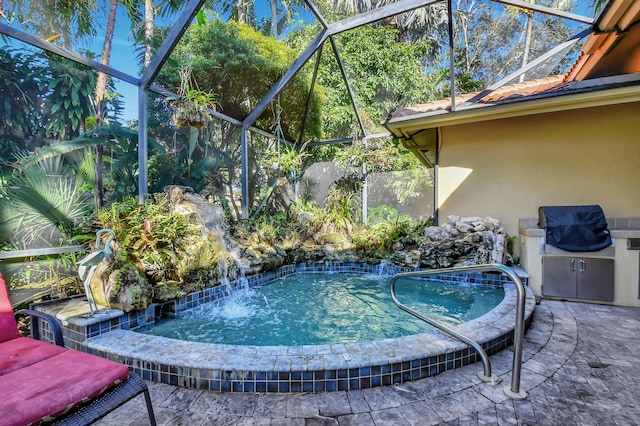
x,y
42,205
102,135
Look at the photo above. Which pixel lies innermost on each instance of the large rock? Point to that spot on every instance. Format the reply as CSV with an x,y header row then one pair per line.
x,y
262,257
462,241
228,265
124,289
128,290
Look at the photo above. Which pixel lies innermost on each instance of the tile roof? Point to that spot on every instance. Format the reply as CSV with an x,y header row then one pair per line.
x,y
613,46
505,93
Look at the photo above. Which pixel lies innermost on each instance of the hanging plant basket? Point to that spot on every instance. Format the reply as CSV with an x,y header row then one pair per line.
x,y
190,116
192,107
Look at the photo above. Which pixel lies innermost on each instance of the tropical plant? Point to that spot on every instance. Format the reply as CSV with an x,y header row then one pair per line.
x,y
165,247
147,235
282,165
381,158
67,88
342,207
45,98
282,13
528,13
380,237
239,65
384,72
385,213
66,21
272,228
493,43
43,204
286,162
102,80
122,143
18,102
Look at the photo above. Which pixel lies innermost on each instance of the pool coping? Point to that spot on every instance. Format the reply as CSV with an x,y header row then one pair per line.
x,y
309,368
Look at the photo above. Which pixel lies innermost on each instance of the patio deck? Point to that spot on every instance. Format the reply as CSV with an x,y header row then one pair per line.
x,y
581,367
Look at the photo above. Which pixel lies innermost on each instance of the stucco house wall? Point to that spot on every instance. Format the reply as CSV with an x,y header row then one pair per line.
x,y
507,168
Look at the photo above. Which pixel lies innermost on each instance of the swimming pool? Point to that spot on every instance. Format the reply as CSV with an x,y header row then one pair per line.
x,y
316,309
311,368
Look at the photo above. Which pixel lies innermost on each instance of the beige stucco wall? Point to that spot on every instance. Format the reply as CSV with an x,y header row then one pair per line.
x,y
508,168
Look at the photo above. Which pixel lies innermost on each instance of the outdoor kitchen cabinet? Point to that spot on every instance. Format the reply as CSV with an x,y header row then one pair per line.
x,y
578,277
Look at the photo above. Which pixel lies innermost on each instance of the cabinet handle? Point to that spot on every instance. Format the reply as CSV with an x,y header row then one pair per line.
x,y
572,266
583,265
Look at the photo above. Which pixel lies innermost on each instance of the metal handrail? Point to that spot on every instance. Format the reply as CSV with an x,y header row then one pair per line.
x,y
18,254
514,391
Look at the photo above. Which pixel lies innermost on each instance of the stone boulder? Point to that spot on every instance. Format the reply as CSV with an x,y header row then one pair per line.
x,y
125,289
462,241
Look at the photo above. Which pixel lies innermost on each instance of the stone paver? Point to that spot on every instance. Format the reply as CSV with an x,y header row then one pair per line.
x,y
581,367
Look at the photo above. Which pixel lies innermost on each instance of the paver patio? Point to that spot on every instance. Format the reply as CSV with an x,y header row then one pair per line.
x,y
581,368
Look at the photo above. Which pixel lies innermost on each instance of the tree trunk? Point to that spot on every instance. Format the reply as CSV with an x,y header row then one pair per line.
x,y
274,18
148,30
242,12
101,90
527,43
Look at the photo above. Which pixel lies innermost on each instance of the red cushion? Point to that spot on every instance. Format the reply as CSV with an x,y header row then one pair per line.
x,y
51,387
8,327
22,352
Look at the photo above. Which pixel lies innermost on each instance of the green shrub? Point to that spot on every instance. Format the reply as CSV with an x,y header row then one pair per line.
x,y
149,236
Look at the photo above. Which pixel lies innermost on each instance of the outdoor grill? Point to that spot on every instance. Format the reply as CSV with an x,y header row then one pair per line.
x,y
574,228
581,269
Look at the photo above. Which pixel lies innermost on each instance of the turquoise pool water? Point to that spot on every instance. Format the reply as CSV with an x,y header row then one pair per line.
x,y
313,309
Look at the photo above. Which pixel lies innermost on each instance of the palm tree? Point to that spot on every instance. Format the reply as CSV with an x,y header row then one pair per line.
x,y
429,22
149,16
102,80
354,6
46,202
243,11
68,20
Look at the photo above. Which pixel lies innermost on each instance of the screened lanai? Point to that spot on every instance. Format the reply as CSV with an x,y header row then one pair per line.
x,y
279,85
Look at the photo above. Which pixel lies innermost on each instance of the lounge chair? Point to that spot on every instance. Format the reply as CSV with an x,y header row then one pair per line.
x,y
41,382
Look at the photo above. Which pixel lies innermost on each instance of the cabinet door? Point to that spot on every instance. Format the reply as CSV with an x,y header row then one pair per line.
x,y
595,279
559,276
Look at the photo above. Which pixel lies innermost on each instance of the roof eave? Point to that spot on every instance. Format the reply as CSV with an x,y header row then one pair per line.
x,y
478,112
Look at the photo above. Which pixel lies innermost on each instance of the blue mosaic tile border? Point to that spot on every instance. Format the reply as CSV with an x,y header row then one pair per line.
x,y
304,381
77,330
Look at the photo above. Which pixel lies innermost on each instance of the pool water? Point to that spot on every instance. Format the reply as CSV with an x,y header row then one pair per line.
x,y
314,309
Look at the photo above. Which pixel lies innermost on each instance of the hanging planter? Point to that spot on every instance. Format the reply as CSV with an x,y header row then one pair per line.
x,y
286,162
193,108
